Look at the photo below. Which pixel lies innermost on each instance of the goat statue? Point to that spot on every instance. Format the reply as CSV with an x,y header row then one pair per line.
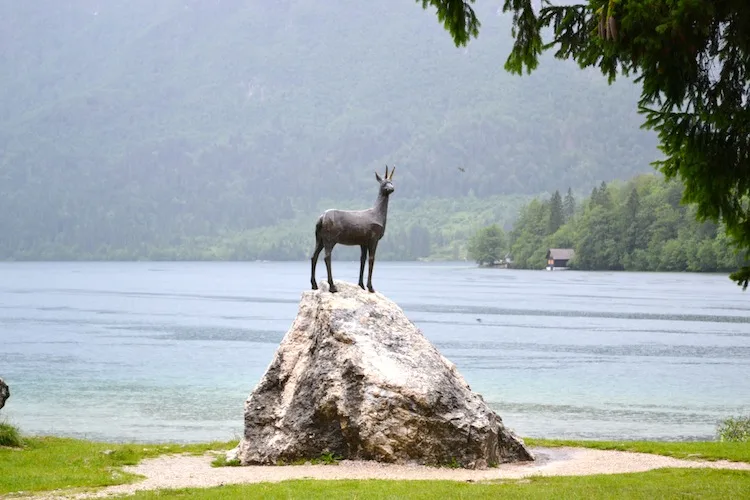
x,y
353,227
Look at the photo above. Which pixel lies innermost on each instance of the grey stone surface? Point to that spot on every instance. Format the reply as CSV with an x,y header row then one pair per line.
x,y
354,377
4,393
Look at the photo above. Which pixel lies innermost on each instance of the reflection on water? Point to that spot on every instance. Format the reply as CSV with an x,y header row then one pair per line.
x,y
169,352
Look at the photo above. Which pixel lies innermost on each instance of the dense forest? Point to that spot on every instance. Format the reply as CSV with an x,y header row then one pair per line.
x,y
639,225
436,229
220,129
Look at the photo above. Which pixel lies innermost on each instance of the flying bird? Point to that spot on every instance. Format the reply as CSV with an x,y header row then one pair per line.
x,y
462,169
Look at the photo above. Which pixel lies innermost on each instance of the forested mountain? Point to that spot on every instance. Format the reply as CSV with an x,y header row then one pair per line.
x,y
127,125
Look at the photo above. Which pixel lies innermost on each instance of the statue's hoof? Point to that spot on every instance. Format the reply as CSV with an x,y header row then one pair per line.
x,y
371,289
314,286
362,286
333,289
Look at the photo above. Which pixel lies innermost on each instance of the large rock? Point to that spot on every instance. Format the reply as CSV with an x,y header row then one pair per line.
x,y
4,393
354,377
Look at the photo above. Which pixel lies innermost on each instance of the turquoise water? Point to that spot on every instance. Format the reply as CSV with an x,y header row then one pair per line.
x,y
170,351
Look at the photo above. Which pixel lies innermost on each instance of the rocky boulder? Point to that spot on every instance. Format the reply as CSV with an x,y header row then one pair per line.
x,y
355,378
4,393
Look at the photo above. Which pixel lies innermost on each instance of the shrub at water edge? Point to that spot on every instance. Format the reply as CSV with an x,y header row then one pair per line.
x,y
734,430
10,436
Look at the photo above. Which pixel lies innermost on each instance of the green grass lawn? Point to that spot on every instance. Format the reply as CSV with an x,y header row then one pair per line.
x,y
48,463
665,483
698,450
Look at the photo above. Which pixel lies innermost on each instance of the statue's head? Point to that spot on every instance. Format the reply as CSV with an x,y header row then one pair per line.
x,y
386,187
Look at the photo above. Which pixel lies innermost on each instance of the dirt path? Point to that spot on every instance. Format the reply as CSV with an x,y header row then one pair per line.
x,y
182,471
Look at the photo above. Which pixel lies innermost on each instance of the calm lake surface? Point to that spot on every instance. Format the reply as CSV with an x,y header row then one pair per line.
x,y
170,351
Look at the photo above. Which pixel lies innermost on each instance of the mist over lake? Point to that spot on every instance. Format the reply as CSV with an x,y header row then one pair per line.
x,y
150,351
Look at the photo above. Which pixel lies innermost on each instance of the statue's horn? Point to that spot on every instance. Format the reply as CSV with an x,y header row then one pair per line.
x,y
393,169
386,171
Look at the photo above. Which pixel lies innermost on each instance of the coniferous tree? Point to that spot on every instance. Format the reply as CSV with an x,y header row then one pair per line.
x,y
569,205
556,215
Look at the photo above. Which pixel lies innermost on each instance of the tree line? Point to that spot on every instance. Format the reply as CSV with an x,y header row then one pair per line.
x,y
430,229
639,225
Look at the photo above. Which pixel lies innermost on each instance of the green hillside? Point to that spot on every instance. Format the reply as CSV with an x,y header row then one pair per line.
x,y
140,127
638,225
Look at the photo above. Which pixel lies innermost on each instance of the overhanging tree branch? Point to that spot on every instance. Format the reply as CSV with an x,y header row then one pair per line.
x,y
457,17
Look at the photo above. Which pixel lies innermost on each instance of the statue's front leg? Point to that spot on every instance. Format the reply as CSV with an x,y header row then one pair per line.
x,y
362,260
331,287
369,277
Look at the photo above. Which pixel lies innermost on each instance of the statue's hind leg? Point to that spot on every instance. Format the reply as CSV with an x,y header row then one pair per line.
x,y
327,259
314,259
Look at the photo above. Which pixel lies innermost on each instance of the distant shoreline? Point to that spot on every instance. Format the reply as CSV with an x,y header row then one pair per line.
x,y
420,261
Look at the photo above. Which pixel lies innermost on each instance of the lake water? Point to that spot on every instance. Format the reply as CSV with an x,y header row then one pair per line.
x,y
170,351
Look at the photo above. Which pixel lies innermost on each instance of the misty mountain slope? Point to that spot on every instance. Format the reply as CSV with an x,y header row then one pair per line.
x,y
140,122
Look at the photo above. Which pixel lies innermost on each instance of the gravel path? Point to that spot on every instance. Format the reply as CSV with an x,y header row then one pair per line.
x,y
183,471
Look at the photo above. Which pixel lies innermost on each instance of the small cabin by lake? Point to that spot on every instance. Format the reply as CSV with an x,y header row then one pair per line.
x,y
557,258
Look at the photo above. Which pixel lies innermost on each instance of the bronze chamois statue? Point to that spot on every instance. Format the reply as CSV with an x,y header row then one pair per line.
x,y
353,227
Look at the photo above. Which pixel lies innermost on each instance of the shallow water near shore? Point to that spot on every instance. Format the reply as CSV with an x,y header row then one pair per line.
x,y
170,351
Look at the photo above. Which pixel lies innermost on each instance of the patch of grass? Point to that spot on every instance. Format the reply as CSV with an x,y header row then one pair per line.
x,y
48,463
221,461
664,483
329,458
325,458
10,436
697,450
734,429
299,461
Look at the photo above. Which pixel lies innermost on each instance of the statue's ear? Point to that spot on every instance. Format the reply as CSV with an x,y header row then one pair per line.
x,y
377,176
